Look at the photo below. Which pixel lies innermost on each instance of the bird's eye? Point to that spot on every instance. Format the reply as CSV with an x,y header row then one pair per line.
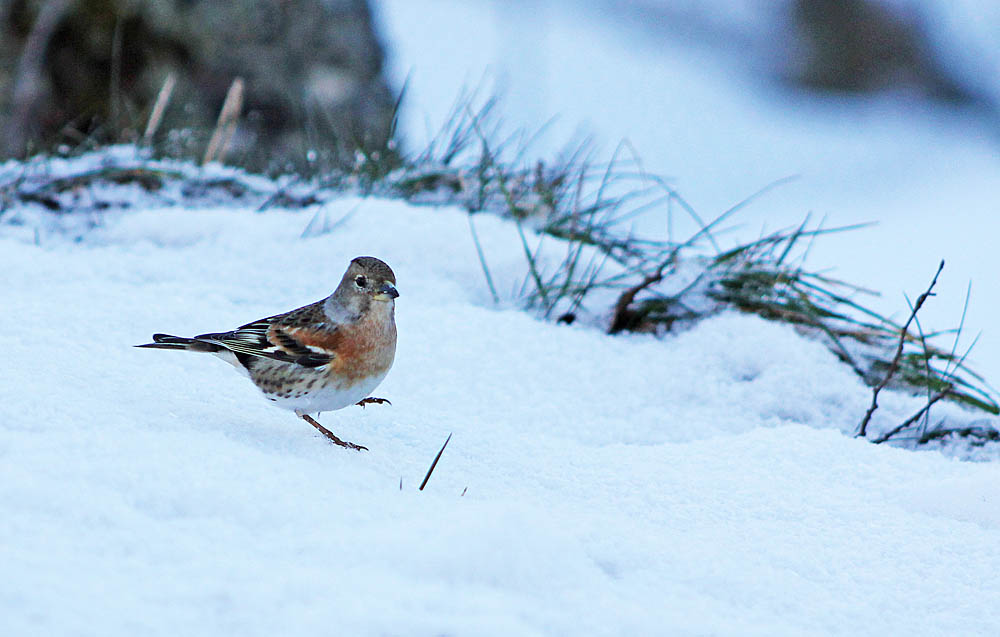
x,y
361,280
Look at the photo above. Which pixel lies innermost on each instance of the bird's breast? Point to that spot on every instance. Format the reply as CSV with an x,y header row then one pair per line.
x,y
361,350
365,349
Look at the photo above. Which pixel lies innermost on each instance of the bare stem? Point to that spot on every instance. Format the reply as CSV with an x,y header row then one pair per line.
x,y
915,417
225,127
894,365
159,107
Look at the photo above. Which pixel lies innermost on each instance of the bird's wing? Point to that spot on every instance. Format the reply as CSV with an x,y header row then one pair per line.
x,y
280,337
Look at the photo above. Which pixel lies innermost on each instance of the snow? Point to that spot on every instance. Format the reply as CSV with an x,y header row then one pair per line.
x,y
706,482
702,483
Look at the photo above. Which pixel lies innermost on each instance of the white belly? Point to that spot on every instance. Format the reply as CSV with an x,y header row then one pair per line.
x,y
326,398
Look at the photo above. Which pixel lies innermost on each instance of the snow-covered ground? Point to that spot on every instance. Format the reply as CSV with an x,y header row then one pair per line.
x,y
708,119
703,483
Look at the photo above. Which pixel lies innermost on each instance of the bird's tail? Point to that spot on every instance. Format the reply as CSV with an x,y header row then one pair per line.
x,y
166,341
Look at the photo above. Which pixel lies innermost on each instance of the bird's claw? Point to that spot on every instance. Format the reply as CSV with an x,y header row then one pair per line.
x,y
373,401
332,436
342,443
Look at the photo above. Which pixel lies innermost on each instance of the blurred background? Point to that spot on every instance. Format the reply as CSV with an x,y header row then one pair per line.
x,y
883,111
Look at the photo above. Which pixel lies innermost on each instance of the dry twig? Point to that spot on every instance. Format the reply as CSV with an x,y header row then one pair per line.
x,y
218,145
159,107
894,365
914,418
624,318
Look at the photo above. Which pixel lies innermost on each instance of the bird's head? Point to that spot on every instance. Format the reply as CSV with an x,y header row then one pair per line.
x,y
367,280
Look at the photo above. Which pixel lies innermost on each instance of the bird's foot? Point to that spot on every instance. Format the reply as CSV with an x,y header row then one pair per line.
x,y
373,401
332,436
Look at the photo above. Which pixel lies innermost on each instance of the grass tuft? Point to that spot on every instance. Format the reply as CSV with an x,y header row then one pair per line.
x,y
660,286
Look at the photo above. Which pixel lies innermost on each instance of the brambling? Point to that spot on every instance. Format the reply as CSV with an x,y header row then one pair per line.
x,y
321,357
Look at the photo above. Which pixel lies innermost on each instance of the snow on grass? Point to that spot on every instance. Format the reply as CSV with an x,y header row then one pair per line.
x,y
700,483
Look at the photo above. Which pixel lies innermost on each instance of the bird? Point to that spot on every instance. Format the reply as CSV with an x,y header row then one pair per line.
x,y
320,357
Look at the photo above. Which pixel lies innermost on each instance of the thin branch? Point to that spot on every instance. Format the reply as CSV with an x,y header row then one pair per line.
x,y
622,317
894,365
915,417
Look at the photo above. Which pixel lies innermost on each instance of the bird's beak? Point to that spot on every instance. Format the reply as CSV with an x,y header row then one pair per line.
x,y
387,292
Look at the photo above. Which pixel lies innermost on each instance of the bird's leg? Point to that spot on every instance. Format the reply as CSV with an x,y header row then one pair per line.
x,y
332,436
373,401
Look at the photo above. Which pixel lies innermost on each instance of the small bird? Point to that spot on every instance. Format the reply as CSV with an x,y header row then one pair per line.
x,y
320,357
